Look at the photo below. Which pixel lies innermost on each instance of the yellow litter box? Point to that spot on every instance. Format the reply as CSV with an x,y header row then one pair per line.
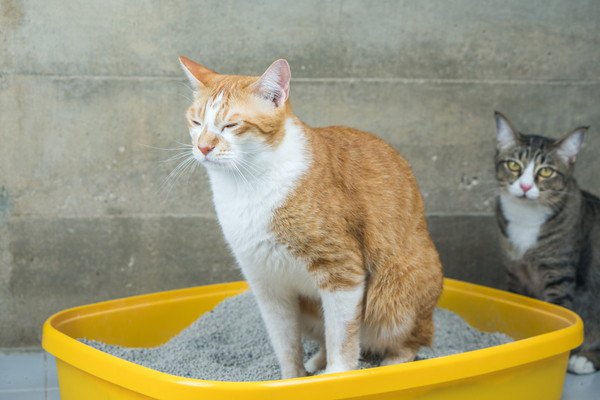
x,y
533,367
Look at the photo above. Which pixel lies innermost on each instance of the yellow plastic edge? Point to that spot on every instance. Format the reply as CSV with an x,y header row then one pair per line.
x,y
348,384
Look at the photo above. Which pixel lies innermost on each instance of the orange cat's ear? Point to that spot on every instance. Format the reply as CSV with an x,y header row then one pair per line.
x,y
198,74
274,84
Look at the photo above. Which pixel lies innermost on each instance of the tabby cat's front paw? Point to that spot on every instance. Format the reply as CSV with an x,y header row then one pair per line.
x,y
580,365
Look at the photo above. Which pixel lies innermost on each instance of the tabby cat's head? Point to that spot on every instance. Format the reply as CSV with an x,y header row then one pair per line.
x,y
532,167
236,118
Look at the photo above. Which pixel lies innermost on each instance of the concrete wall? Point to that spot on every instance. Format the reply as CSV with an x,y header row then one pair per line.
x,y
88,89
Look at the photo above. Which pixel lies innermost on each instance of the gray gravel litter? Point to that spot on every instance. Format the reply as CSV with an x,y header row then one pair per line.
x,y
230,343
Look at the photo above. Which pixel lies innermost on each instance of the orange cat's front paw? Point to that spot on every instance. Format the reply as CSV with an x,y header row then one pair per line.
x,y
334,369
316,362
293,373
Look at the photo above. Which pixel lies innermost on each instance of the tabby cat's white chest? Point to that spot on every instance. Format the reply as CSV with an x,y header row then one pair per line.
x,y
524,221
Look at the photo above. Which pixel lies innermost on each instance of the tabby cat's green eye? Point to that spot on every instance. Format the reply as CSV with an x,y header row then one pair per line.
x,y
546,172
513,166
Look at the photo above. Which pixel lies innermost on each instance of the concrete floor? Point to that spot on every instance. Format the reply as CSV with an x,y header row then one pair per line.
x,y
28,375
31,375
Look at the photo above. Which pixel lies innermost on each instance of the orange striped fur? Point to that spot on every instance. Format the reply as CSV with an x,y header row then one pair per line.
x,y
327,224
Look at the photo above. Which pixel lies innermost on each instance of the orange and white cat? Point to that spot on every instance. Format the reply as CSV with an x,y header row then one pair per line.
x,y
327,224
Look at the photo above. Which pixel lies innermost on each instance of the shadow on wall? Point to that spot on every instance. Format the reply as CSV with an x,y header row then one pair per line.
x,y
469,248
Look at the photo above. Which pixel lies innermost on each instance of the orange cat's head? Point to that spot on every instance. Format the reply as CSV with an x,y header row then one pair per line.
x,y
235,117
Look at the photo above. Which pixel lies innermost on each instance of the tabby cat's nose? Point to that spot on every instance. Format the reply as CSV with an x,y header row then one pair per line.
x,y
205,150
525,186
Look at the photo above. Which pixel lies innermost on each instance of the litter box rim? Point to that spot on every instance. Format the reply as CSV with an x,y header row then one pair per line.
x,y
455,367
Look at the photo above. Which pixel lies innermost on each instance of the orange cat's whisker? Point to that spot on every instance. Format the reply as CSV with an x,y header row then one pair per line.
x,y
171,179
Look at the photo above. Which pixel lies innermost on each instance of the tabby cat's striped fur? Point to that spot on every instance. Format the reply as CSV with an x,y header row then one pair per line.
x,y
550,229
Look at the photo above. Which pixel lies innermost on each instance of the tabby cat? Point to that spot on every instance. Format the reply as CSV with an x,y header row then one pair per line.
x,y
550,229
327,224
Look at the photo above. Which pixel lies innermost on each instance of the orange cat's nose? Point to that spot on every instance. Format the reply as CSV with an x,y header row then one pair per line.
x,y
206,150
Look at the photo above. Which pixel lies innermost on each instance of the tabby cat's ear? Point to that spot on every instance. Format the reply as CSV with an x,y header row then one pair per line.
x,y
274,84
568,146
198,74
505,135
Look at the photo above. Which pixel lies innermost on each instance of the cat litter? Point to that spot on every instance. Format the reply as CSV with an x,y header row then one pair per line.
x,y
230,343
531,367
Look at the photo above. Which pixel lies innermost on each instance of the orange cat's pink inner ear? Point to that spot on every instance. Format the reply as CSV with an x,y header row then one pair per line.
x,y
198,74
274,84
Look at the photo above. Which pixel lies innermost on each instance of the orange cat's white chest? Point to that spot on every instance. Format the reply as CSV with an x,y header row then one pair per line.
x,y
245,210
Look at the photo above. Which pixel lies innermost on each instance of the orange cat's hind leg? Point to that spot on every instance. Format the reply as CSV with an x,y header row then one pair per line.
x,y
406,348
399,356
313,328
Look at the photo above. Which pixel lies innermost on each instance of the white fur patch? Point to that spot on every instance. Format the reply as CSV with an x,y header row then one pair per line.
x,y
339,308
245,209
525,218
580,365
210,113
281,317
208,124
